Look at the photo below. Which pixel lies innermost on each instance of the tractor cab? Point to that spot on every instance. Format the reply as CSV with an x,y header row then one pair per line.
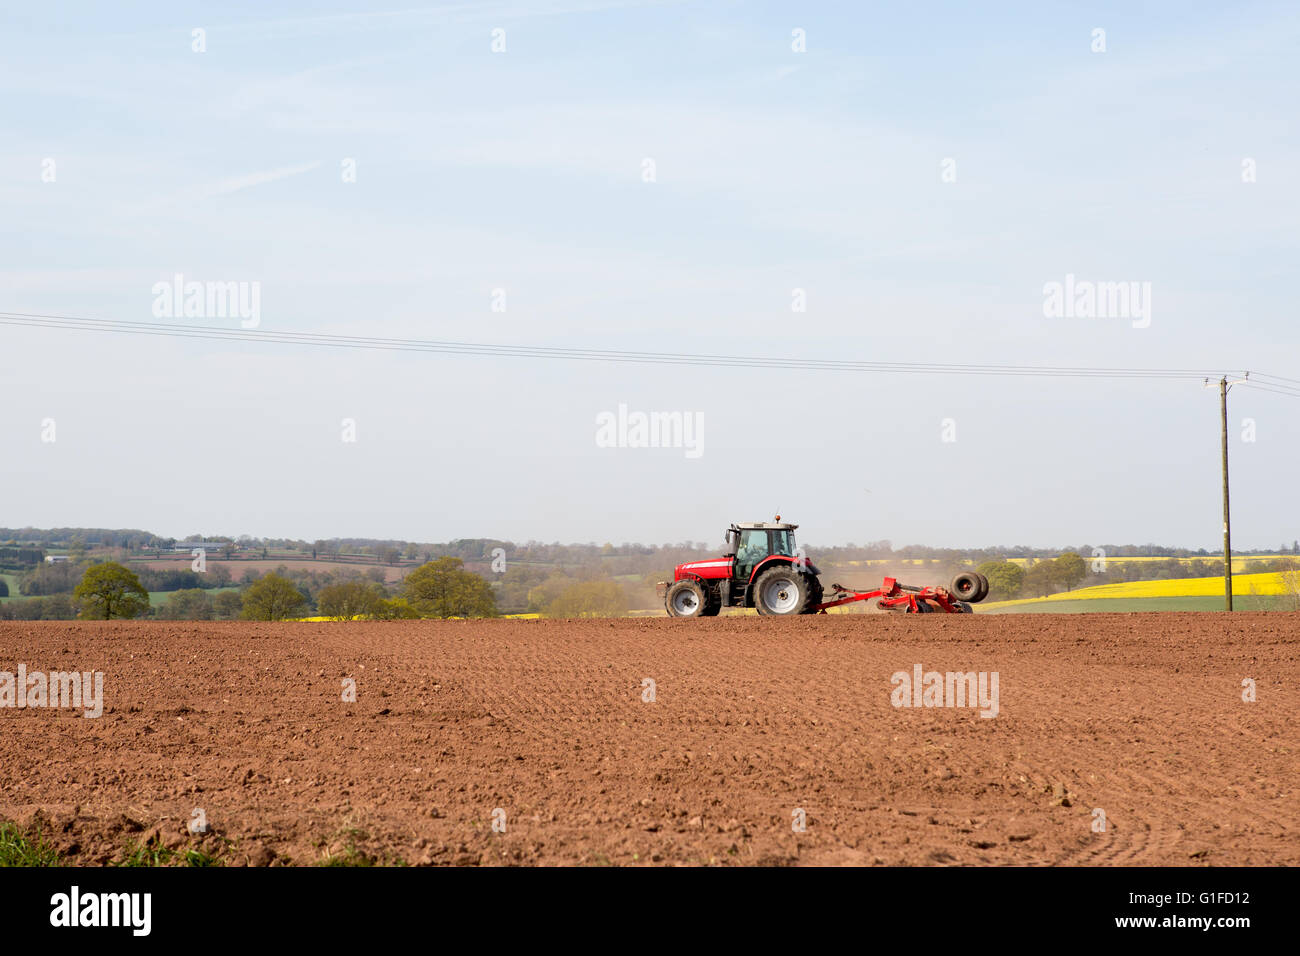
x,y
750,544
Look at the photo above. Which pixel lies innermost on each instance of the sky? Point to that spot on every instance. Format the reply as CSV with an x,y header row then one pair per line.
x,y
877,182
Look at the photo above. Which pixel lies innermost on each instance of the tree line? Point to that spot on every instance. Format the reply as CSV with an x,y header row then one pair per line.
x,y
108,590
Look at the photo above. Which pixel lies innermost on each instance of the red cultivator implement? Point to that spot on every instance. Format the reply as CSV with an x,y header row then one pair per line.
x,y
892,596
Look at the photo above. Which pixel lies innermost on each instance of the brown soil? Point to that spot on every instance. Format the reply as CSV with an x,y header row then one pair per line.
x,y
1139,715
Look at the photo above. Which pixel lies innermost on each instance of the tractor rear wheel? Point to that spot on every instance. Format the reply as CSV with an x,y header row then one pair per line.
x,y
780,591
685,599
814,596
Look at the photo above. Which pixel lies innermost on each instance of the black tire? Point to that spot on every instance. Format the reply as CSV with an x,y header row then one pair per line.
x,y
965,586
685,598
965,608
712,602
923,606
984,588
814,596
781,591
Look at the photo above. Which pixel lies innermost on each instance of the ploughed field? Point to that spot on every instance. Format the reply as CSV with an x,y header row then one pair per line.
x,y
767,741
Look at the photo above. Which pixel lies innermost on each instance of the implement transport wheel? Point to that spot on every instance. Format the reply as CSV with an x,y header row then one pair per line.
x,y
686,599
780,591
966,586
984,587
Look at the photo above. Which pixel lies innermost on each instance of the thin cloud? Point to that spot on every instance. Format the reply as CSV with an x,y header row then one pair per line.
x,y
237,183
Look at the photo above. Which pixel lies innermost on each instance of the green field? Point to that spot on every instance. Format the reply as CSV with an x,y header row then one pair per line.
x,y
159,598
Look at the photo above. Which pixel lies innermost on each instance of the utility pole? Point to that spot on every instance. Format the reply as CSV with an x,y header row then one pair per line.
x,y
1227,512
1224,385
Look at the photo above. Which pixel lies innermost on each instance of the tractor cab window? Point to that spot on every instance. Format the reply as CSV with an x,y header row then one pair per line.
x,y
783,542
753,549
753,544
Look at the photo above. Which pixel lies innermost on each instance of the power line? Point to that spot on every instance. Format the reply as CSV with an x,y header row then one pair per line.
x,y
1293,393
1277,379
1280,378
217,333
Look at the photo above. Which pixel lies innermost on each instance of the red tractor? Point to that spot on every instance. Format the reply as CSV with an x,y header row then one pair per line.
x,y
762,568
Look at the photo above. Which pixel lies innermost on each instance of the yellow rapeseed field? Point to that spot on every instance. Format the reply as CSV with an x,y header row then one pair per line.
x,y
1267,583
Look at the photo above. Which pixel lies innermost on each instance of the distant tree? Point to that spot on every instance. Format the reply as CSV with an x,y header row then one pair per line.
x,y
4,588
443,588
57,607
58,578
1039,581
271,598
1289,576
1070,569
1005,579
227,605
589,599
189,604
514,585
541,596
350,600
110,590
396,609
174,579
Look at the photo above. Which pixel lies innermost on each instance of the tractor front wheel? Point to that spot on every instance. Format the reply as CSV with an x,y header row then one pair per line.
x,y
780,591
685,599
